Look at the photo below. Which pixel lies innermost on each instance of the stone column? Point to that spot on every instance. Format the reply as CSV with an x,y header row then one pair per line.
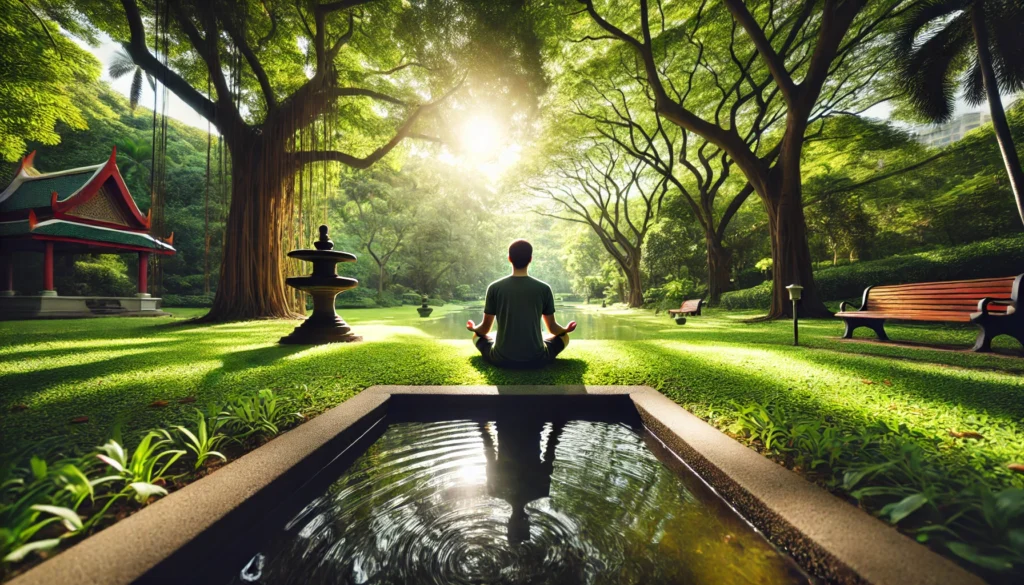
x,y
48,290
143,274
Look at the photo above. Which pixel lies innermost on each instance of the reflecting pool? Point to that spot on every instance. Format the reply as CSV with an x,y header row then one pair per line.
x,y
517,498
590,324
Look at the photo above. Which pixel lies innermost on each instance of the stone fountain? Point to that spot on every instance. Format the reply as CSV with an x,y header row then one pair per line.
x,y
324,325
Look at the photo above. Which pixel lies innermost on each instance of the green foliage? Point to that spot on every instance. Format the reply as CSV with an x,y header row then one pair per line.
x,y
147,465
173,300
101,275
893,472
755,297
44,76
206,438
261,416
995,257
39,487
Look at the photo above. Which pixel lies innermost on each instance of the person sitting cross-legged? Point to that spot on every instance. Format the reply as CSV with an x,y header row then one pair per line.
x,y
518,302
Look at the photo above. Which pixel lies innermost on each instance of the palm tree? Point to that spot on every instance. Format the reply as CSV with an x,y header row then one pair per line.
x,y
122,65
974,44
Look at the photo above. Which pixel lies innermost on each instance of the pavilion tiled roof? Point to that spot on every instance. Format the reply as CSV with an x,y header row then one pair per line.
x,y
35,191
68,229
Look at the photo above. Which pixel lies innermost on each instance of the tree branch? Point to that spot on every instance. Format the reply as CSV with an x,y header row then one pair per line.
x,y
136,47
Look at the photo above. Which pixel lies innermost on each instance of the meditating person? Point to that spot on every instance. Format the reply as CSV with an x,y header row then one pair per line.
x,y
518,302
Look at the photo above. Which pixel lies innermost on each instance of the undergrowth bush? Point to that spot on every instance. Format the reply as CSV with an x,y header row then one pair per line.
x,y
893,472
995,257
48,496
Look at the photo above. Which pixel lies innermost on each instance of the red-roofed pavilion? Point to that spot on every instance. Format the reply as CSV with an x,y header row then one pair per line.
x,y
87,210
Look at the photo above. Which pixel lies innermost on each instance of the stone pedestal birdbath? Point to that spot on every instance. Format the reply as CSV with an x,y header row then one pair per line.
x,y
324,325
423,309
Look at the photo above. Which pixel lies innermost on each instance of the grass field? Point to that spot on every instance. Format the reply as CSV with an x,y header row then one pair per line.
x,y
112,370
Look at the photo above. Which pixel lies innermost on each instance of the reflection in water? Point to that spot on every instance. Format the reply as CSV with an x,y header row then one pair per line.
x,y
516,500
591,325
519,467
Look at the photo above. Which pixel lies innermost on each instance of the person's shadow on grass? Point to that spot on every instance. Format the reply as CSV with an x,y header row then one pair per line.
x,y
562,371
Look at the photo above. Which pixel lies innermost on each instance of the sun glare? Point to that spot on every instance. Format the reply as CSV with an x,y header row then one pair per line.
x,y
481,138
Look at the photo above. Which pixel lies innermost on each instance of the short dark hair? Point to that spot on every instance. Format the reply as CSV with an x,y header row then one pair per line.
x,y
520,252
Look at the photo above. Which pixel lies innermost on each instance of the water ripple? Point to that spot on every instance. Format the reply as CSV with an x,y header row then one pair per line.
x,y
516,500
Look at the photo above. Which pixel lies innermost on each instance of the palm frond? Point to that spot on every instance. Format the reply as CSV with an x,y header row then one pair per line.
x,y
1005,22
929,72
928,13
121,64
136,92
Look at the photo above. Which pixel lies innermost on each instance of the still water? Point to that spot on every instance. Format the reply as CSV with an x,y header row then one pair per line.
x,y
517,499
590,324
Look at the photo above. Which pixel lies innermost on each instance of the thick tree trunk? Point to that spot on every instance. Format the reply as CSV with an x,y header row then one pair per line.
x,y
635,282
791,255
251,280
719,270
1003,136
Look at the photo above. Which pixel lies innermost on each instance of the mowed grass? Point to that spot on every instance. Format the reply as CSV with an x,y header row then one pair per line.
x,y
111,370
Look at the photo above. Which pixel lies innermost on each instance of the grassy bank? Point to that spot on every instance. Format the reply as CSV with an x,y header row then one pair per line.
x,y
827,408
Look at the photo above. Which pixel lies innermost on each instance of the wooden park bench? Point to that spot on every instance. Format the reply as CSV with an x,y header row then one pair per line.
x,y
990,303
690,307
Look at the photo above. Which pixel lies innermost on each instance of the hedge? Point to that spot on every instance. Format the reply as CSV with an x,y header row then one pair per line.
x,y
995,257
172,300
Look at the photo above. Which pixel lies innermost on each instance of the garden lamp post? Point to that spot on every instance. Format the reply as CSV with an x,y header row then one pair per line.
x,y
795,290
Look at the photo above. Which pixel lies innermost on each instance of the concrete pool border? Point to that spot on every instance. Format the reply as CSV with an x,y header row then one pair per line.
x,y
829,537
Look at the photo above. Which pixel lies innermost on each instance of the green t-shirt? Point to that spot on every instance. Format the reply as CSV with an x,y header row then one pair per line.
x,y
517,302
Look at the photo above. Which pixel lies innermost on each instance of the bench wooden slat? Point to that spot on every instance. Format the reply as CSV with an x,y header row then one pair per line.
x,y
951,301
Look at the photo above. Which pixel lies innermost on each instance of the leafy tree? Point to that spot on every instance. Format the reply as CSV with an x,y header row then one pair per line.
x,y
622,110
294,83
591,183
42,74
791,56
380,212
977,43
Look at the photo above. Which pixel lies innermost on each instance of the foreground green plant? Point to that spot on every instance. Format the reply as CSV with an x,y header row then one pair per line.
x,y
206,438
147,465
263,415
892,473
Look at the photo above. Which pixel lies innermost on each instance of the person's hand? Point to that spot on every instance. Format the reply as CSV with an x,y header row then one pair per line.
x,y
471,325
570,327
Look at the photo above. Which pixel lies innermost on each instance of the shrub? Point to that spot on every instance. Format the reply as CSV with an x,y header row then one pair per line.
x,y
105,275
669,296
411,298
171,300
435,302
465,292
995,257
756,297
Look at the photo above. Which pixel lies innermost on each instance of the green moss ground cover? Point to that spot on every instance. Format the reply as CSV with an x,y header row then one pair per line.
x,y
852,416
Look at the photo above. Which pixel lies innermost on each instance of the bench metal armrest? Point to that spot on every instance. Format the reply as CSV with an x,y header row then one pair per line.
x,y
986,301
843,307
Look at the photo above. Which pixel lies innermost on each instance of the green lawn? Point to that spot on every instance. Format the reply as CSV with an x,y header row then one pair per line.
x,y
111,370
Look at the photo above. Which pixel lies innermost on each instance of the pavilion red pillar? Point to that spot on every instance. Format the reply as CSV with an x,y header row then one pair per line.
x,y
143,273
48,270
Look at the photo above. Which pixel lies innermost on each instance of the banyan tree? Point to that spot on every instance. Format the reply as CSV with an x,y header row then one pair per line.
x,y
289,83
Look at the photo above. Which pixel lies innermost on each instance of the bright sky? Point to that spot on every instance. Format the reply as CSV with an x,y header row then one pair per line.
x,y
175,107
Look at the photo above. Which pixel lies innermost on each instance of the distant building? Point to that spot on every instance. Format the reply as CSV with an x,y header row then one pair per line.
x,y
939,135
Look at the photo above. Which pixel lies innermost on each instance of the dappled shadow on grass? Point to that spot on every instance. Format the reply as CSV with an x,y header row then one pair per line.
x,y
929,403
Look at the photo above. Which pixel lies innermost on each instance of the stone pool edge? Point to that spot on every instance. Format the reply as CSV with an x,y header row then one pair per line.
x,y
831,538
